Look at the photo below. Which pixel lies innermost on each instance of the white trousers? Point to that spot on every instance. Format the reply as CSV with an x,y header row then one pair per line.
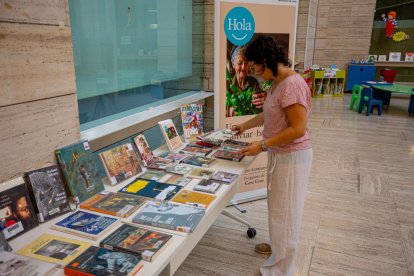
x,y
287,177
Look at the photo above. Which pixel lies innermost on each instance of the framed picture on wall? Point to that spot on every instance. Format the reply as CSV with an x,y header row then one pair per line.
x,y
382,57
395,56
409,56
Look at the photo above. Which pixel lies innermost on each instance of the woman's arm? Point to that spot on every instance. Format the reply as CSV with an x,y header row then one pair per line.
x,y
297,118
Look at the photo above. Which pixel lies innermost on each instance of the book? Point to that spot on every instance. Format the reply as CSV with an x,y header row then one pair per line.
x,y
158,165
172,157
180,169
208,186
193,198
231,142
136,240
54,249
145,153
199,161
154,175
217,136
80,170
225,177
192,121
228,155
102,261
151,189
170,134
4,245
47,192
409,56
177,180
202,173
114,204
196,151
120,163
17,214
168,215
87,225
12,264
394,56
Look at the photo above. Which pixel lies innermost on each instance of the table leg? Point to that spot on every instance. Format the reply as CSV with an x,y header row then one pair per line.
x,y
411,106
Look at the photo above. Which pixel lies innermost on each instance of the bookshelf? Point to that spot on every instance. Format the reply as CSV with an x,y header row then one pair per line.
x,y
327,83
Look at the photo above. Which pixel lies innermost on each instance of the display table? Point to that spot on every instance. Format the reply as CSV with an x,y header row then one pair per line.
x,y
181,244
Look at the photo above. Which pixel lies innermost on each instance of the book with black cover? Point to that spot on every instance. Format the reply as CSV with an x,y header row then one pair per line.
x,y
79,166
48,193
168,215
151,189
136,240
102,261
17,214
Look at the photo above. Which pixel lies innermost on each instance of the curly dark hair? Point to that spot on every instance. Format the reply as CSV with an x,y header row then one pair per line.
x,y
263,49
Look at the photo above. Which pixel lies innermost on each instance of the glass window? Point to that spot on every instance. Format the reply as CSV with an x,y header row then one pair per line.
x,y
131,54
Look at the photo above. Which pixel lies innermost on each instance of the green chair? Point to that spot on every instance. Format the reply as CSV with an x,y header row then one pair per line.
x,y
356,97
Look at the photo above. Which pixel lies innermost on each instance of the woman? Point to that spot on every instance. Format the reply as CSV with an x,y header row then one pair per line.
x,y
242,82
286,139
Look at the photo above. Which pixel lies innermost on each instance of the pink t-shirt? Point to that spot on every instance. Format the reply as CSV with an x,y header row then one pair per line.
x,y
290,91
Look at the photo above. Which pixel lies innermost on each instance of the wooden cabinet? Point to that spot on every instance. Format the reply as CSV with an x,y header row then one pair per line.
x,y
327,83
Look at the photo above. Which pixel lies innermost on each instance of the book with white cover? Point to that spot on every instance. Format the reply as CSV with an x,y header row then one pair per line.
x,y
170,134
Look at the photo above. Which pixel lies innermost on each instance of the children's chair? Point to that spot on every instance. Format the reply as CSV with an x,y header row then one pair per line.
x,y
355,98
366,99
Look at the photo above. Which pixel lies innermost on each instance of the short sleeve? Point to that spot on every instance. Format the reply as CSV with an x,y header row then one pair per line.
x,y
296,91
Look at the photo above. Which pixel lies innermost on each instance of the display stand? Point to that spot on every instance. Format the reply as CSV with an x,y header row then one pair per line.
x,y
327,84
181,244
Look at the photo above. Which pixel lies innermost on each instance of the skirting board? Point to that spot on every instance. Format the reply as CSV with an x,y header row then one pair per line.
x,y
249,196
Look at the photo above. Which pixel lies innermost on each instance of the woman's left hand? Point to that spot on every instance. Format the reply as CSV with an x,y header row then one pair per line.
x,y
253,149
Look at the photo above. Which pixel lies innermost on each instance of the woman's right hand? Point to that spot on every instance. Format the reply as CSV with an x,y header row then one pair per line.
x,y
239,128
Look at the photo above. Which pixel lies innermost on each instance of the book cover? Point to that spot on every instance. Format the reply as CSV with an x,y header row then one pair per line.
x,y
202,173
102,261
217,136
199,161
225,177
177,180
151,189
192,121
170,134
172,157
114,204
228,155
394,56
193,198
153,175
86,224
172,216
409,56
12,264
145,153
54,249
48,193
17,214
207,186
136,240
80,170
196,150
4,245
120,163
180,169
158,165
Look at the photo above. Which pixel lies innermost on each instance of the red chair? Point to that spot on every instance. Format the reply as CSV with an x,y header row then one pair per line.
x,y
387,75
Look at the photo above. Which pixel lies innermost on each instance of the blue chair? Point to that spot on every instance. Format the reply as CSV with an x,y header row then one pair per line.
x,y
369,102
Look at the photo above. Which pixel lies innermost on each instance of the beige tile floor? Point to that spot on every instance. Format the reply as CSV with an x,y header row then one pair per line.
x,y
359,211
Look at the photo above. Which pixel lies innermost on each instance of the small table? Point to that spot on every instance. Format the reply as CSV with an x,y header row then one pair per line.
x,y
396,88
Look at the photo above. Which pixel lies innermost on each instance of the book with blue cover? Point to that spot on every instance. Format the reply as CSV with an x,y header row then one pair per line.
x,y
82,175
86,224
151,189
168,215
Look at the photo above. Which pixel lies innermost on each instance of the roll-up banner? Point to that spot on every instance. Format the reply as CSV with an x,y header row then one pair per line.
x,y
235,87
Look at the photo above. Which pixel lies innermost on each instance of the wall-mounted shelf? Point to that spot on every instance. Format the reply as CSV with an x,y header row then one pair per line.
x,y
394,63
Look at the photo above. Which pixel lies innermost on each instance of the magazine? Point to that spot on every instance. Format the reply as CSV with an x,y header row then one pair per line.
x,y
193,198
86,224
225,177
208,186
177,180
151,189
199,151
136,240
199,161
144,151
202,173
192,121
158,165
228,155
13,264
179,169
217,136
120,163
172,216
154,175
172,157
170,134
